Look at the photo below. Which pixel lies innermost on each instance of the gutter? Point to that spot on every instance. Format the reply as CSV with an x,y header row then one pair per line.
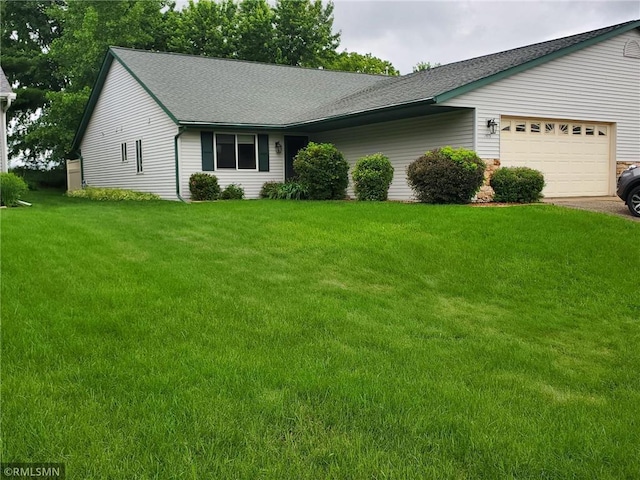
x,y
181,130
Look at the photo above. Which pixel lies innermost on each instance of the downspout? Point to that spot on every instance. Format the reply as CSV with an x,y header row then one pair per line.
x,y
181,130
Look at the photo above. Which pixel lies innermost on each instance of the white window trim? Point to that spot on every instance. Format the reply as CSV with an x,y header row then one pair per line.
x,y
235,139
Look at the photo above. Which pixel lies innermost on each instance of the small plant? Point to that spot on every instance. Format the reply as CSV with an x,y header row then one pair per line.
x,y
12,187
204,186
232,192
270,189
292,191
324,172
372,177
446,175
112,194
517,184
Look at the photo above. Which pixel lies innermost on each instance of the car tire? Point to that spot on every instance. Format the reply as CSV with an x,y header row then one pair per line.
x,y
633,201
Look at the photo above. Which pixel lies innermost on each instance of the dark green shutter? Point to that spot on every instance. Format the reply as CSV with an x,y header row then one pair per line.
x,y
263,153
206,143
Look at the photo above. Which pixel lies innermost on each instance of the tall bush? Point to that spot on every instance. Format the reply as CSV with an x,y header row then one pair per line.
x,y
323,171
446,175
517,184
12,187
372,177
204,186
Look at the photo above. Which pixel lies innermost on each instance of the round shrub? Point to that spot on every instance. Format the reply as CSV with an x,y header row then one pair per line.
x,y
204,187
446,175
12,187
517,184
322,169
372,176
232,192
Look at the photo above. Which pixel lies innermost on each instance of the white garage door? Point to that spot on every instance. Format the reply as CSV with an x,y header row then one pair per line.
x,y
573,156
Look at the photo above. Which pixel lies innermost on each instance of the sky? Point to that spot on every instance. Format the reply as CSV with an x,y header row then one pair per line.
x,y
408,32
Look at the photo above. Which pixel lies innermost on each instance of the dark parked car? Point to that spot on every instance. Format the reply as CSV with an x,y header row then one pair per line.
x,y
629,188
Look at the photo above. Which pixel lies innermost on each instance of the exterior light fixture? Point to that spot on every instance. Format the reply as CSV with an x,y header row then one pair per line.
x,y
278,147
491,125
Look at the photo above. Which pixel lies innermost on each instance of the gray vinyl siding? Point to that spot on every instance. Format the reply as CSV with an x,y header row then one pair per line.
x,y
125,113
250,180
597,84
402,141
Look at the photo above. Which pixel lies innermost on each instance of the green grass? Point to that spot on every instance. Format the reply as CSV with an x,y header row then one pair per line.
x,y
293,340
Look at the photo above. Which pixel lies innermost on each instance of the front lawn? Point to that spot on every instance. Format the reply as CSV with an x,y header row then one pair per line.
x,y
293,340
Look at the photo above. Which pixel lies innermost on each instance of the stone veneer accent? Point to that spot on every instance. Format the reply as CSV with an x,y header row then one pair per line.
x,y
622,166
485,194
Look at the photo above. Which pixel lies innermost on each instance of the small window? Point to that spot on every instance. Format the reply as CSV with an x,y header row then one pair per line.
x,y
577,130
589,131
123,152
602,131
506,126
521,127
550,128
139,156
236,151
534,128
564,128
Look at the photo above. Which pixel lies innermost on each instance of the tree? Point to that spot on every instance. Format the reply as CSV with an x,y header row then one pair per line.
x,y
355,62
28,29
206,28
304,33
256,32
421,66
89,28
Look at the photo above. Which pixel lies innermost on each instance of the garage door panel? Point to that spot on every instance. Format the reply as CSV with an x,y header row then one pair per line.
x,y
573,156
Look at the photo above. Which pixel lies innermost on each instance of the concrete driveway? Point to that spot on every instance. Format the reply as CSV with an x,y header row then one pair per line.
x,y
610,205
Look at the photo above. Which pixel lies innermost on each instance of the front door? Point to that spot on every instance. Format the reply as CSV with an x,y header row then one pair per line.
x,y
292,144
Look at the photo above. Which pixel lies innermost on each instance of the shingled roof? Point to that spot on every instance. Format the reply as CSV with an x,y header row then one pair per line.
x,y
196,90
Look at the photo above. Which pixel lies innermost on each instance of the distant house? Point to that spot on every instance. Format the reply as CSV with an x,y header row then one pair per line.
x,y
6,97
569,107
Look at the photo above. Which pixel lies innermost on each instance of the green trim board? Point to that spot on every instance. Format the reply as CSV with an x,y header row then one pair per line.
x,y
93,100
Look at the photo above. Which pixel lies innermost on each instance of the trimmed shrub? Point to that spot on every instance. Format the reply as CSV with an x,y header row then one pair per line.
x,y
232,192
269,189
446,175
204,186
372,176
12,187
517,184
112,194
322,169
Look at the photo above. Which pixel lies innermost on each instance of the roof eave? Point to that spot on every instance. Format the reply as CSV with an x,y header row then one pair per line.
x,y
238,126
443,97
361,113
